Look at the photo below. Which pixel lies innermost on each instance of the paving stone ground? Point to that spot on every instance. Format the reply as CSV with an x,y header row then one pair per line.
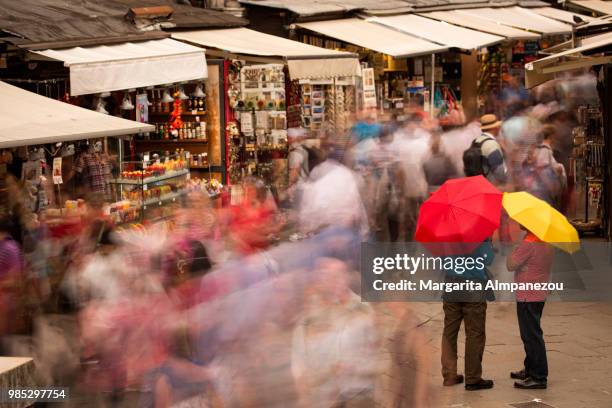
x,y
579,343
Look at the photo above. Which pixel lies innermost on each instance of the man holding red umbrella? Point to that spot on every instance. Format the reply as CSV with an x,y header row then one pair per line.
x,y
458,220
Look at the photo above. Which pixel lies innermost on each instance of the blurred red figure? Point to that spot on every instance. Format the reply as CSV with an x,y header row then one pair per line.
x,y
251,221
11,277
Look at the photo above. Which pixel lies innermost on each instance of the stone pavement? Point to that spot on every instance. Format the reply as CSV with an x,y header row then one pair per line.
x,y
579,343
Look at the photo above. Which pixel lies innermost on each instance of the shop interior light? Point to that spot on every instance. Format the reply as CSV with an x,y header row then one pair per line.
x,y
105,94
182,95
100,106
127,103
199,93
167,98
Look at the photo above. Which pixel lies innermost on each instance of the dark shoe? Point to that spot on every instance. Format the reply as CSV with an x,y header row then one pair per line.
x,y
480,385
530,384
519,375
458,379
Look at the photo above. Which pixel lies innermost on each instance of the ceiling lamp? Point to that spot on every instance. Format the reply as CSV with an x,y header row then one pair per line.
x,y
199,93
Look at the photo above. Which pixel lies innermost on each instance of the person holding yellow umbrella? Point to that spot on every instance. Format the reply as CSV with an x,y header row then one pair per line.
x,y
531,262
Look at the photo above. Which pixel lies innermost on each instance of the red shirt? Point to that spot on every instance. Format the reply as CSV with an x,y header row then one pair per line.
x,y
531,262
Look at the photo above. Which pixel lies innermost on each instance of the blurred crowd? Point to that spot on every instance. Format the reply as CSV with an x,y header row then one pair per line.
x,y
256,302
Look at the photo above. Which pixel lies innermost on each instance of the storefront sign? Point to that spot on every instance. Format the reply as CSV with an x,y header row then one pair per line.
x,y
369,88
57,171
142,108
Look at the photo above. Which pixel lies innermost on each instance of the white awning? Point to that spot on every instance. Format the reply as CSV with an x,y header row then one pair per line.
x,y
439,32
520,18
542,70
603,7
480,24
27,118
560,15
305,61
108,68
374,37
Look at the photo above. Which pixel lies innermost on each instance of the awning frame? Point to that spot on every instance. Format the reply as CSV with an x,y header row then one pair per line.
x,y
116,67
234,43
424,37
432,47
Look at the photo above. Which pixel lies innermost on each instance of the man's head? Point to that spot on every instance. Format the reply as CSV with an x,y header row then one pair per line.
x,y
490,124
296,135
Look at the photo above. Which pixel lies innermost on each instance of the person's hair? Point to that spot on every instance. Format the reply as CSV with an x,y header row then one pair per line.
x,y
315,157
102,234
200,264
546,133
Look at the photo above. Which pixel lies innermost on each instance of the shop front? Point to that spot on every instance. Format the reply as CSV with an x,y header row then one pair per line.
x,y
42,140
526,31
274,84
167,84
589,167
469,53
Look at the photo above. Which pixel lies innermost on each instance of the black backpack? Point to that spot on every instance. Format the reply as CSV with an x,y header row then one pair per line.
x,y
473,160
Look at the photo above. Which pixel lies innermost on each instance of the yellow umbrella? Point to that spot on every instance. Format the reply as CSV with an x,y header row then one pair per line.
x,y
542,220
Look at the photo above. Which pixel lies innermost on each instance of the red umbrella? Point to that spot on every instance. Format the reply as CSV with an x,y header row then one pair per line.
x,y
465,210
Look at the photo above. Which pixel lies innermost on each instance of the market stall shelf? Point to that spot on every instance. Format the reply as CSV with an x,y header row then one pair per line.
x,y
151,180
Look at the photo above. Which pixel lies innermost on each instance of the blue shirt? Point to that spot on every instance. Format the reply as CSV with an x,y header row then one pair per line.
x,y
364,130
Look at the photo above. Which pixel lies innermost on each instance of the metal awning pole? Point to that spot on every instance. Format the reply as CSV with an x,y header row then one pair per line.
x,y
433,86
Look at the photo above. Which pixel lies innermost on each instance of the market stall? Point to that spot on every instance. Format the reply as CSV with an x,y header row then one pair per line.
x,y
589,162
265,79
163,82
526,32
39,136
385,51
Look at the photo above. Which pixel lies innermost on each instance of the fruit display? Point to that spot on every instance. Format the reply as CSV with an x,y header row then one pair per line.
x,y
155,169
153,193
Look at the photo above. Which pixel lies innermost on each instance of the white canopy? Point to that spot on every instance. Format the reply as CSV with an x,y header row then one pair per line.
x,y
439,32
27,118
542,70
560,15
305,61
374,36
108,68
603,7
521,18
481,24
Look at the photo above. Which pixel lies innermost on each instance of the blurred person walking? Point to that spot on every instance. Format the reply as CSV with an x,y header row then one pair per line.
x,y
386,193
331,182
486,157
543,175
366,127
298,162
412,145
531,262
439,167
11,280
330,337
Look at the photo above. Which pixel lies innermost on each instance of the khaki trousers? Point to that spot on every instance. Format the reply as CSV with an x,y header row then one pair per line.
x,y
474,314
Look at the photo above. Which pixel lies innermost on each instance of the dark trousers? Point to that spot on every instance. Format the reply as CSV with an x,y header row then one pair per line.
x,y
529,315
474,314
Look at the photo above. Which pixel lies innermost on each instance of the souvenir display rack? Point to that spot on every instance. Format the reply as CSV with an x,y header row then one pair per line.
x,y
261,114
493,65
587,169
327,101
